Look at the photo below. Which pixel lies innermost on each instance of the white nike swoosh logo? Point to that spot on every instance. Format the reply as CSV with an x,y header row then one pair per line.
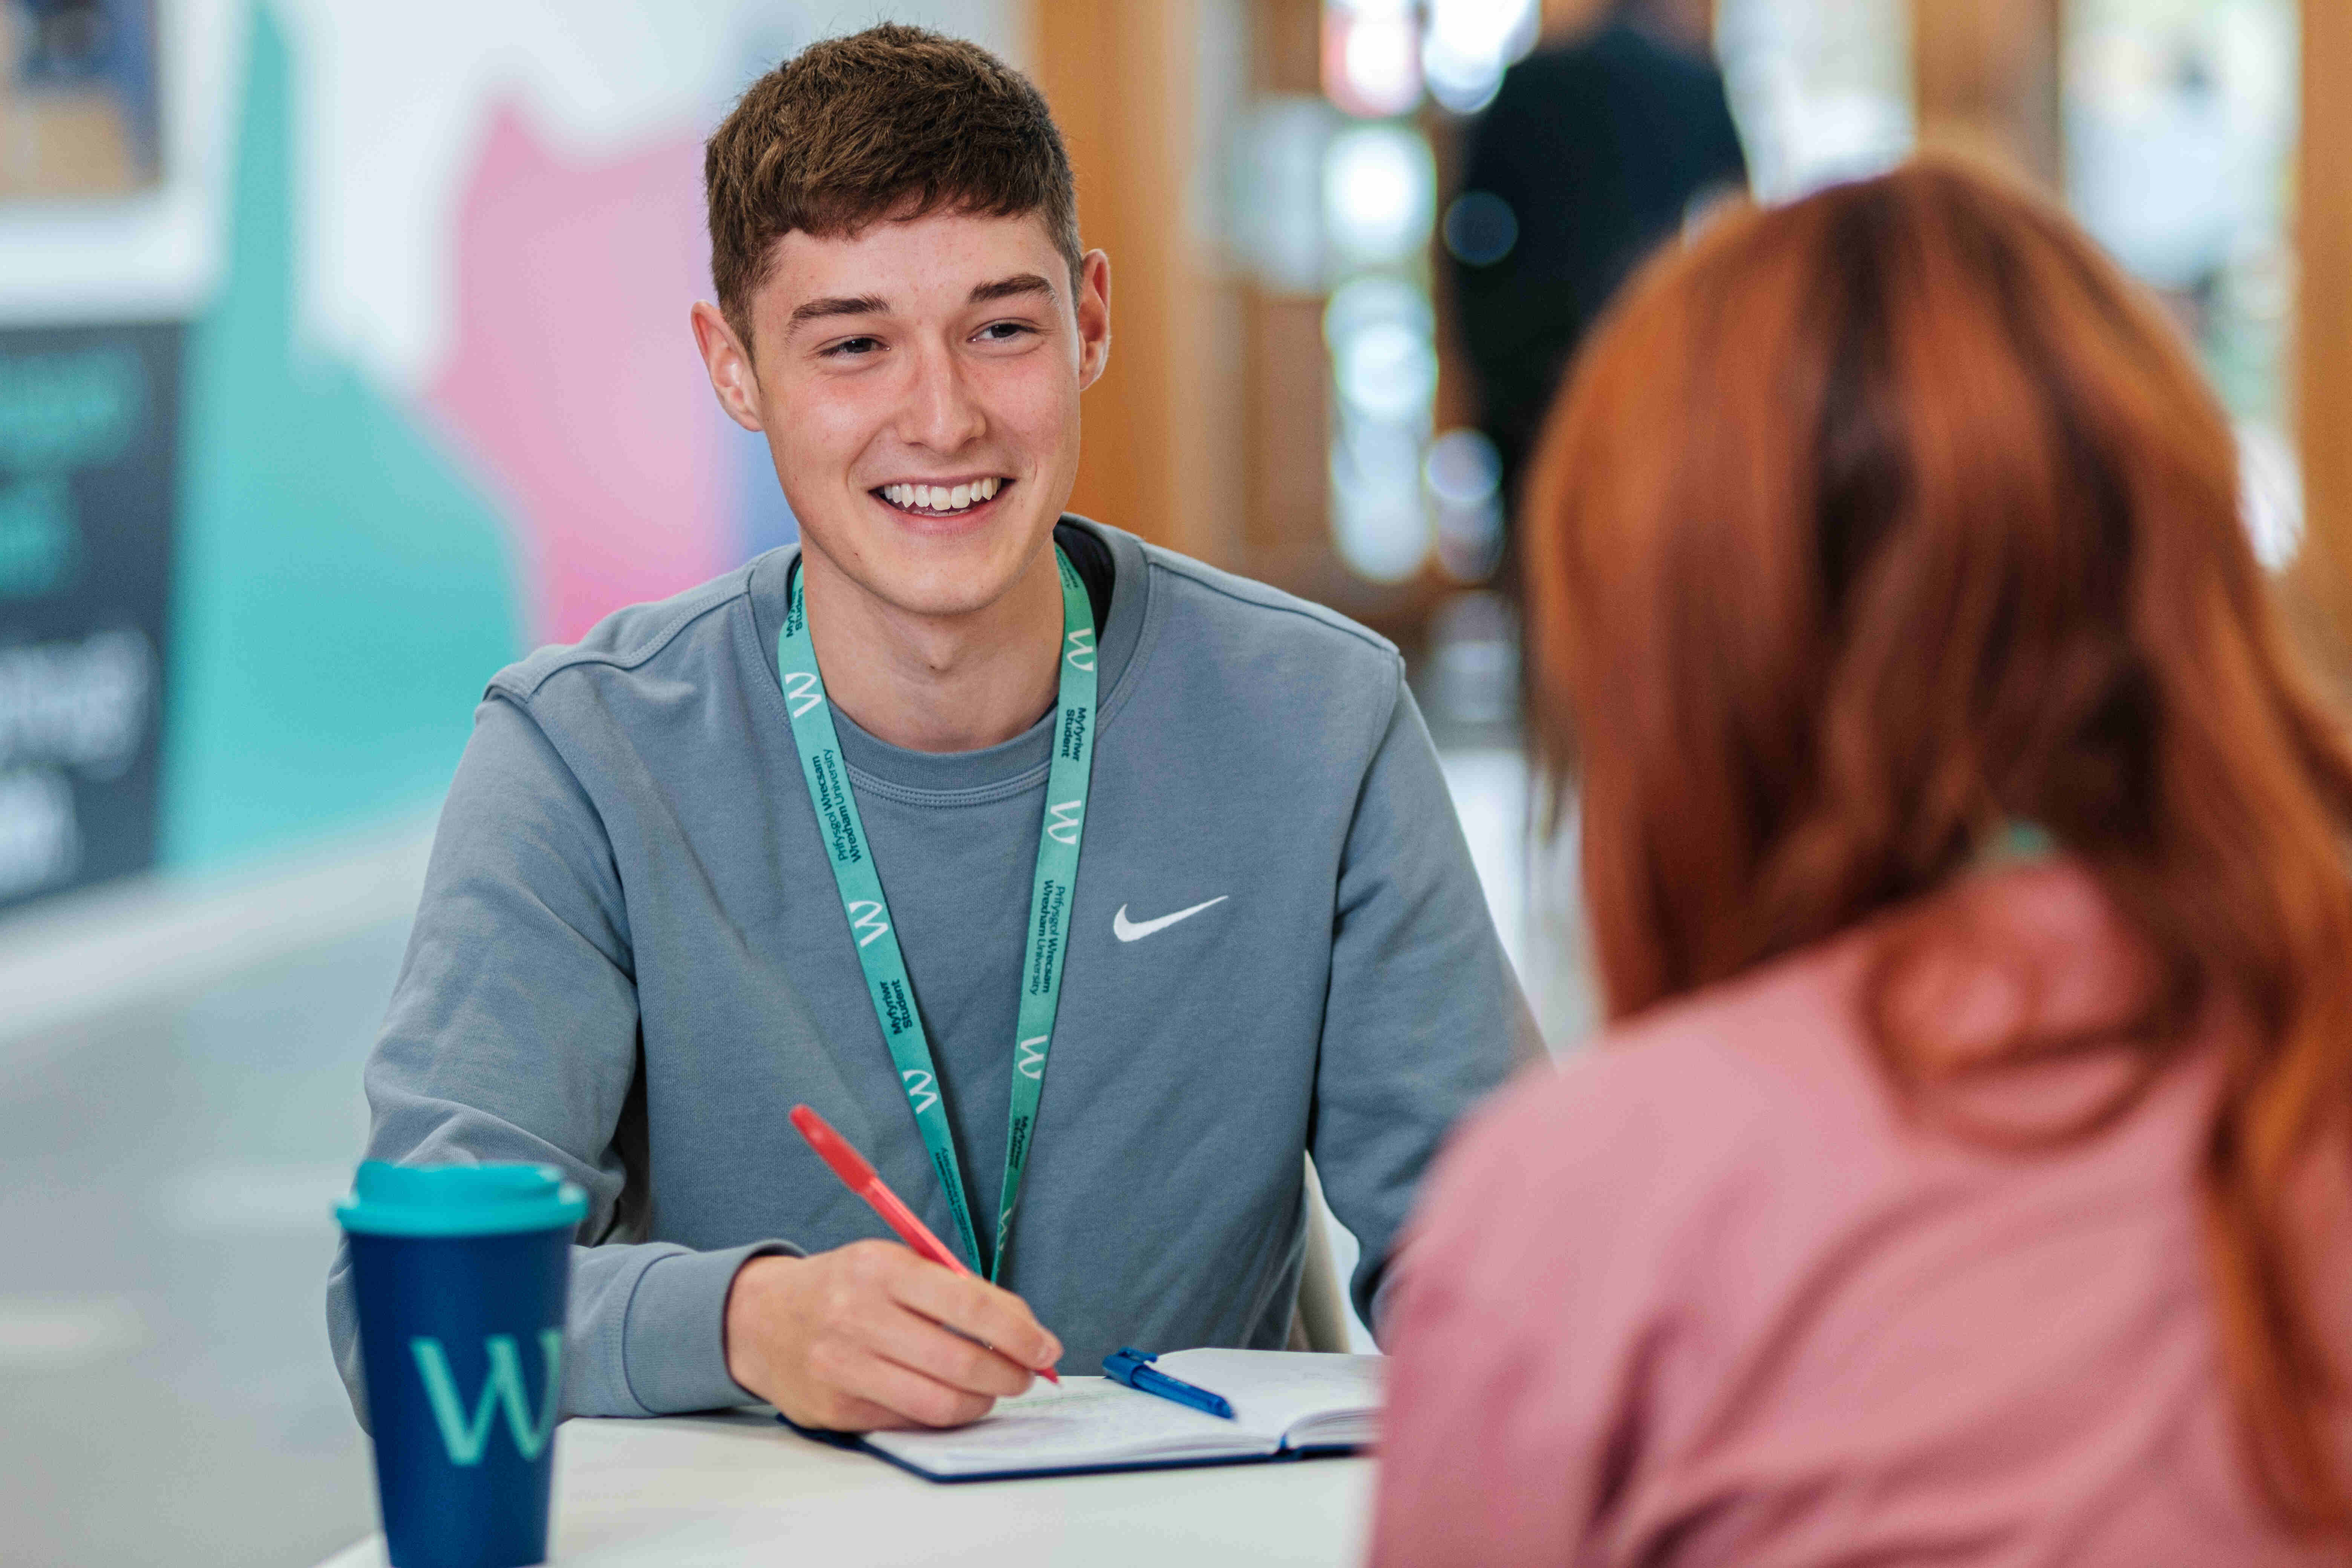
x,y
1133,931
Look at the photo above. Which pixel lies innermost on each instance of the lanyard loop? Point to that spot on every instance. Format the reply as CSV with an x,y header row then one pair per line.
x,y
869,910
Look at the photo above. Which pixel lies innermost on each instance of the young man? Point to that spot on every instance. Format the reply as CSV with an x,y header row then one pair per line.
x,y
813,833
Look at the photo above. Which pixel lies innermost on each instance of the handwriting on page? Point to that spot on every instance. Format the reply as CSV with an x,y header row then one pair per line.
x,y
1086,1421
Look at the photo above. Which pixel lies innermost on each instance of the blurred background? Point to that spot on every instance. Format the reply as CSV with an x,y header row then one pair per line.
x,y
344,358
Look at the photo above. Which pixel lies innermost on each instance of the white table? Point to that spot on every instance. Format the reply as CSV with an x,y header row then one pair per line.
x,y
738,1488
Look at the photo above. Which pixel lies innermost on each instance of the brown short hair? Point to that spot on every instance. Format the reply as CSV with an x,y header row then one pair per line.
x,y
890,123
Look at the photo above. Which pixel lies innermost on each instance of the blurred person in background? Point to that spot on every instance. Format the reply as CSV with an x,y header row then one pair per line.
x,y
632,957
1964,1176
1594,152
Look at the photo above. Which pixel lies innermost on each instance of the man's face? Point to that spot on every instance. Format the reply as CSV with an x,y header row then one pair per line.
x,y
918,387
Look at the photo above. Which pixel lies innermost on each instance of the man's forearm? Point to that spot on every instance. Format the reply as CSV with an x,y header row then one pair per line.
x,y
645,1335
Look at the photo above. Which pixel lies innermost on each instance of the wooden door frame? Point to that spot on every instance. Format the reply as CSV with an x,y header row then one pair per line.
x,y
2322,577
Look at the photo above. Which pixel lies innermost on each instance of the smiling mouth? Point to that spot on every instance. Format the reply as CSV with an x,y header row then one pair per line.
x,y
941,500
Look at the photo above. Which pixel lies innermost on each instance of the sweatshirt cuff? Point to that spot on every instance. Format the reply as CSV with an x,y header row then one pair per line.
x,y
674,1341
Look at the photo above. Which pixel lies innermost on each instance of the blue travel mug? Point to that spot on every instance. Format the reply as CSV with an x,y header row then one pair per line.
x,y
462,1273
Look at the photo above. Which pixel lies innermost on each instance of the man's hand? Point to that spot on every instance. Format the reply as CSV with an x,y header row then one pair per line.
x,y
858,1338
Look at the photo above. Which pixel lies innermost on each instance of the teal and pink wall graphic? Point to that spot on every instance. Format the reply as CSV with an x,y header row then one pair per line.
x,y
575,385
342,590
354,563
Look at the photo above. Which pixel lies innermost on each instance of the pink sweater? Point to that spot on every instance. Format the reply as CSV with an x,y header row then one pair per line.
x,y
1708,1296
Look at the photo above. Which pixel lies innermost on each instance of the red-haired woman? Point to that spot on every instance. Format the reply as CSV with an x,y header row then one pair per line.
x,y
1964,1178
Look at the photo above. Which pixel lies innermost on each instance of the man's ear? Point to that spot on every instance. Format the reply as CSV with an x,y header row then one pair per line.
x,y
1094,317
732,375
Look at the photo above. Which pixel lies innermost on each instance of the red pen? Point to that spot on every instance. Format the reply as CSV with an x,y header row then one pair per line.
x,y
861,1178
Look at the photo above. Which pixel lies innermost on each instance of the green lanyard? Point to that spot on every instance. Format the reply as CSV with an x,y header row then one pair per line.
x,y
869,910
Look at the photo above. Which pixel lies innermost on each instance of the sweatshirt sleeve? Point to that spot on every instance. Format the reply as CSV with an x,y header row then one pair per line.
x,y
1423,1017
513,1035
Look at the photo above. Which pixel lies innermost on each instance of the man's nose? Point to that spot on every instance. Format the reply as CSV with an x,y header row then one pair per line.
x,y
941,412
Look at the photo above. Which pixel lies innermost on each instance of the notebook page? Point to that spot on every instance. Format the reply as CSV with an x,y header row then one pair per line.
x,y
1311,1397
1086,1421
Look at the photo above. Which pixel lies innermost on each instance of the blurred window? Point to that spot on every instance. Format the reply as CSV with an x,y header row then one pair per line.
x,y
1379,210
1400,491
1372,56
1379,187
1821,88
1469,45
2181,121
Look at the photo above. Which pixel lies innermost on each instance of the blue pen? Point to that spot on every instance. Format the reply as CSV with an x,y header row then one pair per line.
x,y
1129,1367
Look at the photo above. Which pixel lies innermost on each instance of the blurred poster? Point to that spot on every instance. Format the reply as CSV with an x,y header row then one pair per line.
x,y
89,436
77,102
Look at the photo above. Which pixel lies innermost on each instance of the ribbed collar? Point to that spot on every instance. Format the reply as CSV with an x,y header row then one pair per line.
x,y
945,778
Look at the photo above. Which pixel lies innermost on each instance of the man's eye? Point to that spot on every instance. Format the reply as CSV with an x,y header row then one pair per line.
x,y
1004,331
849,347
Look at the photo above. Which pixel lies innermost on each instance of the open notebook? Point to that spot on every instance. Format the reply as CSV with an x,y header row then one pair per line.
x,y
1284,1403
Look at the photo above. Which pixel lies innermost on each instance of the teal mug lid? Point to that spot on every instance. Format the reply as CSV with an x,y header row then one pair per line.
x,y
459,1200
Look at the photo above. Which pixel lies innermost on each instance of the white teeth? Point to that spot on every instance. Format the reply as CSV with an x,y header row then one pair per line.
x,y
942,497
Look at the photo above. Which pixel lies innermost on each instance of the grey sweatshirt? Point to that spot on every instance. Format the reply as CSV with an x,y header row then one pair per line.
x,y
631,962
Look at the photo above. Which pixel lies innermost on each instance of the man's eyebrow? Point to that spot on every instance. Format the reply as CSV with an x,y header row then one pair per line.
x,y
1009,288
851,305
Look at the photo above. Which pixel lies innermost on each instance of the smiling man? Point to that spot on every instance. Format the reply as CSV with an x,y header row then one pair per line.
x,y
1085,889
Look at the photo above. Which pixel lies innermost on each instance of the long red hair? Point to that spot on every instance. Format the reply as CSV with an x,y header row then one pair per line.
x,y
1875,522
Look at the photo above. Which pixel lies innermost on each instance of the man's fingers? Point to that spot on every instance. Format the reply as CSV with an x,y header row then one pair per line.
x,y
910,1399
922,1345
839,1411
993,1316
870,1335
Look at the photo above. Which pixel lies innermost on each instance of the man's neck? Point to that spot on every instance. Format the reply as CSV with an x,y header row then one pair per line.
x,y
930,683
